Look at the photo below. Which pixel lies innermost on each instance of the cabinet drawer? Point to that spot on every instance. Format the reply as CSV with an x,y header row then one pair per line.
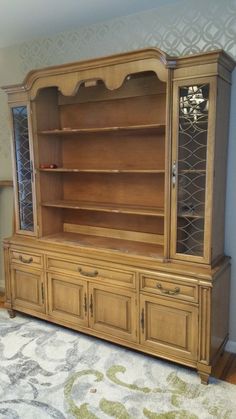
x,y
26,258
85,268
169,287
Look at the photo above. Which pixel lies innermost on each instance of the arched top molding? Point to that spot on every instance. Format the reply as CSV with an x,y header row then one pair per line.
x,y
111,70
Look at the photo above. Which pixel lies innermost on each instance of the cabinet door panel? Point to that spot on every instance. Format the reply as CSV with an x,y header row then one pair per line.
x,y
192,168
23,167
113,311
28,289
169,326
67,299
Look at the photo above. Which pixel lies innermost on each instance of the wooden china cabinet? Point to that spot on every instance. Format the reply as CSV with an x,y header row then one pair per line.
x,y
120,169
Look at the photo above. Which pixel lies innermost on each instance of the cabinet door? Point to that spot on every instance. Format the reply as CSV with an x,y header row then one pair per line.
x,y
169,327
24,174
192,169
67,299
27,289
113,311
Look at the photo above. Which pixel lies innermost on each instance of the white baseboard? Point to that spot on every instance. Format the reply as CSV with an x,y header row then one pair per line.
x,y
231,346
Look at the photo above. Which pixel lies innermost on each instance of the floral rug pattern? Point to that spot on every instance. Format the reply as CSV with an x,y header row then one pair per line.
x,y
47,371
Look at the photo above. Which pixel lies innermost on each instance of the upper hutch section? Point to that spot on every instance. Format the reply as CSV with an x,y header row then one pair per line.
x,y
119,153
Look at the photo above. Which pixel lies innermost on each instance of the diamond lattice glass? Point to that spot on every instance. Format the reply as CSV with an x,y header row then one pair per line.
x,y
23,167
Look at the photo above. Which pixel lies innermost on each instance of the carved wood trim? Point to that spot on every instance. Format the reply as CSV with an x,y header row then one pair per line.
x,y
205,324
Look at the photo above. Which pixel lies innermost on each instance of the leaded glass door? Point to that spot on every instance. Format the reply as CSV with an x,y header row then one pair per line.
x,y
24,173
192,170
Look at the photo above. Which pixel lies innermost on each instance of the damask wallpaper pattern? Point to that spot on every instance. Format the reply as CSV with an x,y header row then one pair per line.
x,y
185,27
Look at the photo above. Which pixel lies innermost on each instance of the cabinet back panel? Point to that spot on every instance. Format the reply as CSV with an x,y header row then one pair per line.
x,y
52,220
116,151
49,150
120,112
132,222
119,188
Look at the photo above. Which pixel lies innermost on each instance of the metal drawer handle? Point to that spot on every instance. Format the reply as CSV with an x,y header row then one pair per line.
x,y
89,274
22,259
168,292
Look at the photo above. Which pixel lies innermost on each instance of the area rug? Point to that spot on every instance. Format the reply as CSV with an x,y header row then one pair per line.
x,y
47,371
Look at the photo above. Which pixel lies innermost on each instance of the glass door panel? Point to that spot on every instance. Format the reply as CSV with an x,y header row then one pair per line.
x,y
23,166
189,168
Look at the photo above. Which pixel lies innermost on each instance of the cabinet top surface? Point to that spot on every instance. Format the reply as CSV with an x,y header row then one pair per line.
x,y
197,271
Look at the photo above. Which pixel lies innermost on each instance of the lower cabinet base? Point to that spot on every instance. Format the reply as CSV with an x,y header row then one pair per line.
x,y
203,370
172,311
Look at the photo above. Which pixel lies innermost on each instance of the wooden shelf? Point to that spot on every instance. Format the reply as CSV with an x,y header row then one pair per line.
x,y
64,170
190,215
192,171
70,131
5,183
116,245
106,207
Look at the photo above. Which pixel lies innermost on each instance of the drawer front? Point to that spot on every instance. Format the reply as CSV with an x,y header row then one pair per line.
x,y
169,287
84,268
25,258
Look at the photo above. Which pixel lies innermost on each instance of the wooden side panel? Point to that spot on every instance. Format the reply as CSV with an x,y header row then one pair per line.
x,y
67,299
220,169
8,296
220,312
113,311
204,324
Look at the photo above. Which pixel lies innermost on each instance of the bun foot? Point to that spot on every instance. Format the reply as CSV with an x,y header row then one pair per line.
x,y
204,377
11,313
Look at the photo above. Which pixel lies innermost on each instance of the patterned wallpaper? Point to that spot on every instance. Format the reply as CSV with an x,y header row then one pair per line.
x,y
185,27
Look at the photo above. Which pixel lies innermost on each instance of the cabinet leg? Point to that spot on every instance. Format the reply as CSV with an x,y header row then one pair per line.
x,y
204,376
11,313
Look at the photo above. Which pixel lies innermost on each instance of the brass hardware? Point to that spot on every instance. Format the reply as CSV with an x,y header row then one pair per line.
x,y
142,320
31,171
174,172
168,292
89,274
85,303
42,292
22,259
91,305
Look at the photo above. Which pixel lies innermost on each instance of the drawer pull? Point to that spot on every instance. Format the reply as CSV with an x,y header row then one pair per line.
x,y
22,259
85,304
89,274
91,305
142,320
168,292
42,293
